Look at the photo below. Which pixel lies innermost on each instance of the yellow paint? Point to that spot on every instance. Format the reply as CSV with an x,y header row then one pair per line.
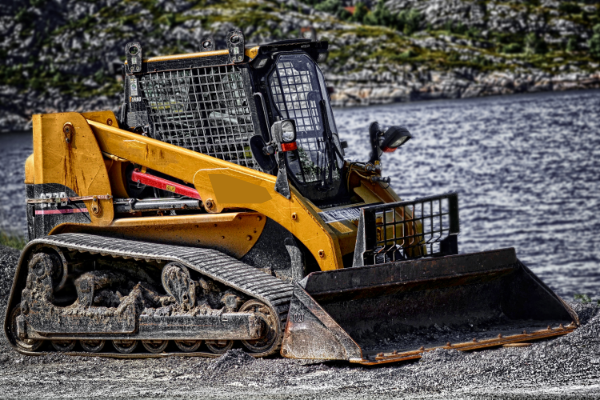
x,y
116,173
29,170
104,117
237,191
186,56
367,193
137,149
186,219
78,165
251,53
230,186
191,166
228,232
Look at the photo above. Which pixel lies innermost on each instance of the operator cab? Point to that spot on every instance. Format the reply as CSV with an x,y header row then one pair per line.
x,y
295,90
263,107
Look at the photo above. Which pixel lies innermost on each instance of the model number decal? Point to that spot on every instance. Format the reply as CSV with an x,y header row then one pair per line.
x,y
57,196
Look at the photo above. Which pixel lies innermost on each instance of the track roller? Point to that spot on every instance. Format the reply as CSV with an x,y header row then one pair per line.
x,y
11,331
92,346
219,346
269,327
155,346
188,346
64,345
125,346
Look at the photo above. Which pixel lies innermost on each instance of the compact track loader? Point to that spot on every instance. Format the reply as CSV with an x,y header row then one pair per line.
x,y
217,210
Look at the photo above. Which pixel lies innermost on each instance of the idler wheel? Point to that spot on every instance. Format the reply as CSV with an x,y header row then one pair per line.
x,y
125,346
155,346
219,346
188,346
64,345
11,330
93,346
270,327
49,260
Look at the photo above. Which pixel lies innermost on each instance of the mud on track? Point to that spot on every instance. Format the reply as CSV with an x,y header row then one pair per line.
x,y
566,367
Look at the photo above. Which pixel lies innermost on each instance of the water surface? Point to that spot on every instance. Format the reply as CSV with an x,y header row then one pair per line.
x,y
526,167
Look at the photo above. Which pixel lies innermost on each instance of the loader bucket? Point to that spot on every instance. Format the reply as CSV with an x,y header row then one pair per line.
x,y
398,310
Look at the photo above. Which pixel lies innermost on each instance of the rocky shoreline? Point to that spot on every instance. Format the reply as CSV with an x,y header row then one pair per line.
x,y
455,85
353,93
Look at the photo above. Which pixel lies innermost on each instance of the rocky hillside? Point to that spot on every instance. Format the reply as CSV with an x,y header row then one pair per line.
x,y
466,48
63,55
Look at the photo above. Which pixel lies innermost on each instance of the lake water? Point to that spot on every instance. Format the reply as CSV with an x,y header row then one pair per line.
x,y
526,167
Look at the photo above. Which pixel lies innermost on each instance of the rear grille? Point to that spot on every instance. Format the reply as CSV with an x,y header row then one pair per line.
x,y
201,109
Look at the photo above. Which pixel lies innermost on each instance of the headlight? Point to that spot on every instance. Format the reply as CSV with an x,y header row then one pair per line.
x,y
394,137
285,132
399,142
288,131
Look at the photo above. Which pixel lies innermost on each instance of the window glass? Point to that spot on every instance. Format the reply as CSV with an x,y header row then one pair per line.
x,y
297,88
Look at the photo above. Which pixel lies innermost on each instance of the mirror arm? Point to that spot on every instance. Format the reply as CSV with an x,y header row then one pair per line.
x,y
374,133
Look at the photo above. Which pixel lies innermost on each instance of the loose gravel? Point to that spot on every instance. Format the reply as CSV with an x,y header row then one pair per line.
x,y
564,368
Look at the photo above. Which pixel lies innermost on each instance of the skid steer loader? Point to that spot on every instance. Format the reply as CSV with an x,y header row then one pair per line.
x,y
217,210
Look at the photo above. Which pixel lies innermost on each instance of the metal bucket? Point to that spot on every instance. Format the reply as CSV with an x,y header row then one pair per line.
x,y
397,311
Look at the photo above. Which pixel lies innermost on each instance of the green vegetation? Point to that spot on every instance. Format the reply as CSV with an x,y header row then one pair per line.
x,y
585,299
594,42
534,44
407,21
569,8
455,27
12,240
512,48
75,66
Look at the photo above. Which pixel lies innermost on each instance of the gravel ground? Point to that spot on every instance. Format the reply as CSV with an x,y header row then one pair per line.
x,y
566,367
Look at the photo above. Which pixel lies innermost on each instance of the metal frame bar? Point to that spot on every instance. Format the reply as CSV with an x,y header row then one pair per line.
x,y
408,229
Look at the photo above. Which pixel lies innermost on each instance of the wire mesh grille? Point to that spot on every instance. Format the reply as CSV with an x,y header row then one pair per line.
x,y
411,229
295,96
296,93
201,109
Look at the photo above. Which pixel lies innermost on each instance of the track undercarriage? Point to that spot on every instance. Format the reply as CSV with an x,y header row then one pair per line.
x,y
90,290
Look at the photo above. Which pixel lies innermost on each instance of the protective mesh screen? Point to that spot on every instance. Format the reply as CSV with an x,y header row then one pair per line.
x,y
201,109
296,94
299,105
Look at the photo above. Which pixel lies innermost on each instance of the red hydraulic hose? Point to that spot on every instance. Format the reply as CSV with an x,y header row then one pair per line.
x,y
164,184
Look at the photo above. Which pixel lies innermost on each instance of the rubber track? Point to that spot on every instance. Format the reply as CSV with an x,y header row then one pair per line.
x,y
209,262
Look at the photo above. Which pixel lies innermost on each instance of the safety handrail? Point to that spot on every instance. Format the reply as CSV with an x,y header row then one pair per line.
x,y
425,227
